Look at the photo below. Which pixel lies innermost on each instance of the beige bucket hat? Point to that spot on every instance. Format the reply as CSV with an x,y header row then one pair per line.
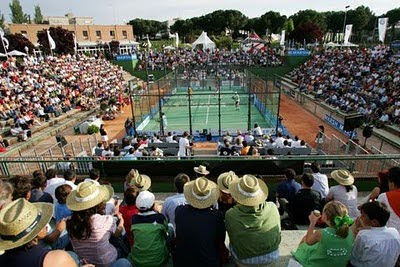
x,y
249,190
224,179
343,177
141,181
201,170
21,221
88,195
201,193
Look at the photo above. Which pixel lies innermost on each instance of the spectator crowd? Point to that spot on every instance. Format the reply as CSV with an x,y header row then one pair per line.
x,y
47,220
364,80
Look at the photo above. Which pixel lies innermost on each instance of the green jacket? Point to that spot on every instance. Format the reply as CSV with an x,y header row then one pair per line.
x,y
253,231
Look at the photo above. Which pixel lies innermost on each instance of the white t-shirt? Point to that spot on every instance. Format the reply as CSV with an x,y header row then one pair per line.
x,y
378,246
52,184
394,220
321,184
279,142
183,143
169,139
349,199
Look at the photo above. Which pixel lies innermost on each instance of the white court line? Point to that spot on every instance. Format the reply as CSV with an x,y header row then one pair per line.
x,y
208,108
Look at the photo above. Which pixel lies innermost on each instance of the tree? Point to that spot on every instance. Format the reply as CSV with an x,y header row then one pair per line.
x,y
394,18
18,42
271,20
2,21
288,26
224,42
114,47
310,15
17,14
38,15
143,27
64,40
308,31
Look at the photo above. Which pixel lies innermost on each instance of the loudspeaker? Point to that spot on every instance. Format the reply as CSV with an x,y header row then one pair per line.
x,y
367,131
353,122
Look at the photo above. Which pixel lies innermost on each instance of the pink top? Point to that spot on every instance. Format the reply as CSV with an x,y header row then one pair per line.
x,y
97,249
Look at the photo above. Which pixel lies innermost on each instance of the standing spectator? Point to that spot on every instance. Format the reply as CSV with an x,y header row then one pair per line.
x,y
345,192
392,198
253,224
129,210
330,246
200,229
257,130
376,244
225,200
184,144
320,139
172,202
150,232
321,184
104,136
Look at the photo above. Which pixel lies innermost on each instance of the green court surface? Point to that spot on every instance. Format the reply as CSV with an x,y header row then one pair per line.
x,y
205,112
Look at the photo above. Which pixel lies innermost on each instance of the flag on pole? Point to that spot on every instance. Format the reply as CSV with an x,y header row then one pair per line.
x,y
6,43
75,43
176,39
347,33
51,41
382,27
148,42
282,43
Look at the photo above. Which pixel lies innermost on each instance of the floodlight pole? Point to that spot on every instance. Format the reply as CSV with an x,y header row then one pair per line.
x,y
160,109
344,23
219,112
190,109
249,107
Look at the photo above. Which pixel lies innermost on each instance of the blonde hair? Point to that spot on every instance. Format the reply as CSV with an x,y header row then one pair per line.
x,y
130,176
333,209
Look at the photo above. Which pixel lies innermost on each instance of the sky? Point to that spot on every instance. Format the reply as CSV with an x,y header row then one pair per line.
x,y
121,11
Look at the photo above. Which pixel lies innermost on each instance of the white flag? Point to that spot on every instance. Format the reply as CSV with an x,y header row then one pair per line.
x,y
51,41
75,43
282,43
347,33
148,42
6,43
382,27
176,40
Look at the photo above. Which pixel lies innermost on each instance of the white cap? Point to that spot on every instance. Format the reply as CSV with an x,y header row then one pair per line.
x,y
145,200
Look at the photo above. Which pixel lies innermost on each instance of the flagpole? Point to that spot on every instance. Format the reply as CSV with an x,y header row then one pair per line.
x,y
51,50
4,46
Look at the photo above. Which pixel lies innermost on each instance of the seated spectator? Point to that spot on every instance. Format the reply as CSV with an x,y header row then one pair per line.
x,y
70,178
200,229
169,138
249,137
150,232
331,245
321,184
53,182
375,244
392,198
94,175
22,225
225,200
257,130
346,193
279,140
383,186
172,202
141,182
89,230
305,201
245,149
61,210
99,149
296,142
6,191
39,183
156,152
130,155
288,189
21,186
128,179
253,225
226,149
128,210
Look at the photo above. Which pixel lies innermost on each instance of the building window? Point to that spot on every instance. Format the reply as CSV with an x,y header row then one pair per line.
x,y
98,34
125,34
112,34
85,34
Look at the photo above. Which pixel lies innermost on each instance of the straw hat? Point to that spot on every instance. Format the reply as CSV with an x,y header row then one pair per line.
x,y
145,200
201,170
201,193
88,195
141,181
343,177
21,221
224,179
249,190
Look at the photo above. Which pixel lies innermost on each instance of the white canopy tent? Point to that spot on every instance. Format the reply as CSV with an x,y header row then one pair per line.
x,y
204,41
16,53
169,47
349,45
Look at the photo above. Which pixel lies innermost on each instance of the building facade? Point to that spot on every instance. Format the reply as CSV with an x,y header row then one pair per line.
x,y
90,38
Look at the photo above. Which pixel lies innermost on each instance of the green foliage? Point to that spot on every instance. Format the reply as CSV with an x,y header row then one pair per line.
x,y
63,38
360,18
308,31
114,47
223,42
18,42
17,14
93,129
288,26
38,18
103,106
309,16
2,21
394,16
143,27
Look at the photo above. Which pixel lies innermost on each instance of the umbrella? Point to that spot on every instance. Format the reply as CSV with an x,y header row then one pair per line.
x,y
16,53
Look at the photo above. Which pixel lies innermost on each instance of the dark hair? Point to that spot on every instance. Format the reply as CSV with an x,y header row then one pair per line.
x,y
302,143
376,210
37,173
279,134
322,128
50,173
394,176
80,224
131,150
244,143
348,188
285,143
130,195
296,138
180,180
99,144
307,179
290,174
315,168
117,152
62,193
69,175
21,185
270,151
383,181
39,181
94,174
